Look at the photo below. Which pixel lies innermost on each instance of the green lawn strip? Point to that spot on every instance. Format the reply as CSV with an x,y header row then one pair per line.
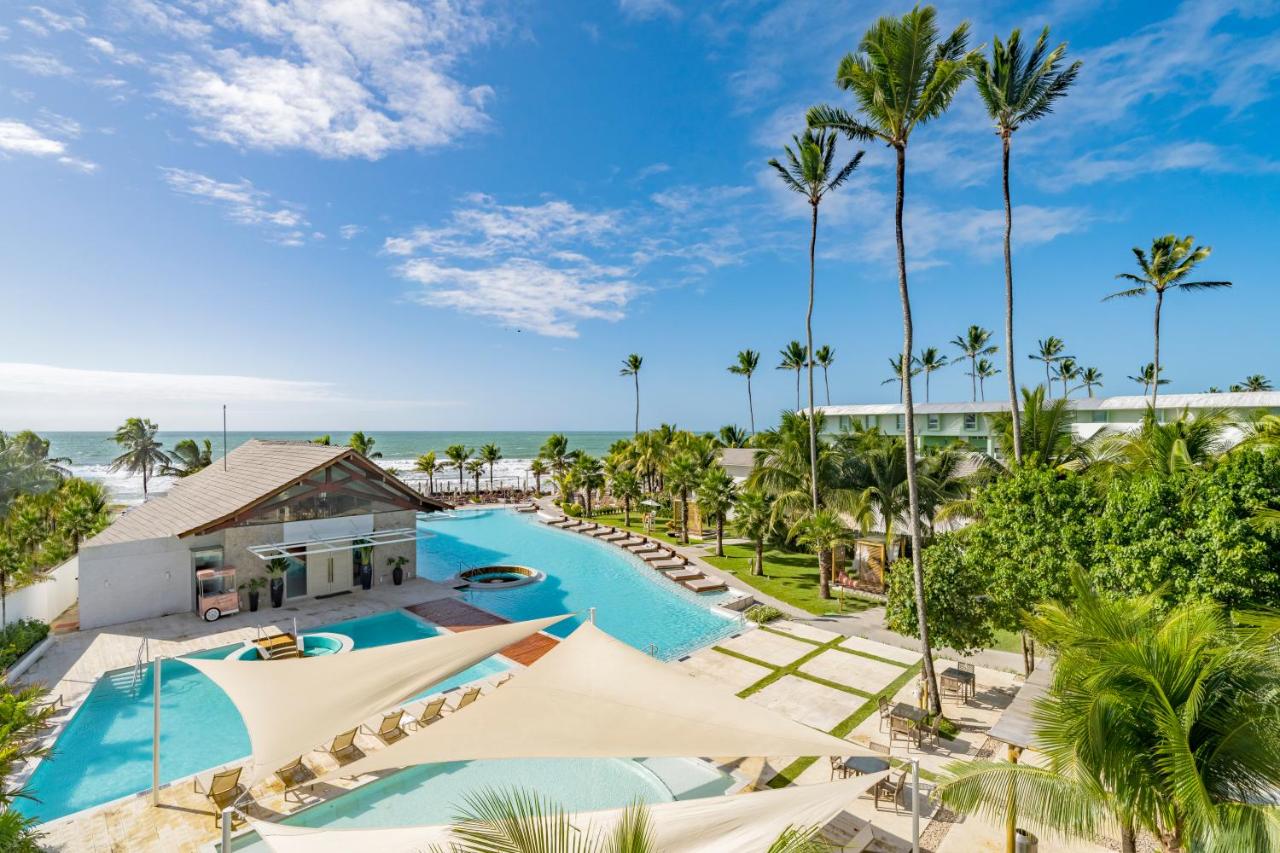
x,y
789,576
808,640
740,656
780,672
870,656
842,729
834,685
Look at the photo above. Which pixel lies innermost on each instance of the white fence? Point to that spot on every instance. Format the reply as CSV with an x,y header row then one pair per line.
x,y
46,599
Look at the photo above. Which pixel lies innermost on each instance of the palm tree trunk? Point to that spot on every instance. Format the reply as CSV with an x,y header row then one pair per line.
x,y
808,333
824,572
826,383
1155,364
144,483
797,389
684,517
637,377
913,487
1048,380
973,375
720,534
758,568
1128,837
751,406
926,385
1008,305
626,511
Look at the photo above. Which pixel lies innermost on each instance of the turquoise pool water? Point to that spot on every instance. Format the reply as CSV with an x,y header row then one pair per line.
x,y
432,793
633,603
105,751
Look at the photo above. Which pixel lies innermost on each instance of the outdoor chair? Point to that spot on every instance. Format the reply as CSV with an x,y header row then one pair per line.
x,y
901,727
294,774
430,713
503,680
885,710
223,790
858,765
891,788
927,732
470,696
344,744
389,730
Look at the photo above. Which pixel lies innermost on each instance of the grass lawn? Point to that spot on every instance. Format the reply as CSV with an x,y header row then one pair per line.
x,y
614,519
791,577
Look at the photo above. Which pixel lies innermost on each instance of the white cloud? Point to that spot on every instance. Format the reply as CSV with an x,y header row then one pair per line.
x,y
39,64
244,203
484,229
19,138
348,232
647,10
75,383
1140,157
651,170
113,52
337,79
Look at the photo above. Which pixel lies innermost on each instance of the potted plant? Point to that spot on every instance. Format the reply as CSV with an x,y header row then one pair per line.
x,y
366,567
253,587
276,568
397,569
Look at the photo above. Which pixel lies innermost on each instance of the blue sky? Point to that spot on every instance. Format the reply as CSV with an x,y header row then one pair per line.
x,y
385,214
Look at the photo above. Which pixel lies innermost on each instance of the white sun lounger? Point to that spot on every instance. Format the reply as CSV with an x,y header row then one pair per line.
x,y
682,574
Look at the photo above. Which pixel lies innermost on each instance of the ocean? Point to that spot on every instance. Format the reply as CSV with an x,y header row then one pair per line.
x,y
91,452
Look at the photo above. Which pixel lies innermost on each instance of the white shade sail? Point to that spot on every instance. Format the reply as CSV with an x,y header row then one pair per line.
x,y
292,706
737,823
596,697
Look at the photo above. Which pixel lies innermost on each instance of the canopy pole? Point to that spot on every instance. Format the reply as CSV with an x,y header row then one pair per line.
x,y
591,615
155,731
915,805
226,829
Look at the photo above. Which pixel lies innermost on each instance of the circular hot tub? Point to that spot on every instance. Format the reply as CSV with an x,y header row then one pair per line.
x,y
498,577
313,645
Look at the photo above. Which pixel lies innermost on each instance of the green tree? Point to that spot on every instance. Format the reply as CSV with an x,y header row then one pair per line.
x,y
1186,442
1047,437
731,435
716,496
984,370
83,509
142,454
955,591
588,475
188,457
748,361
363,444
556,451
930,360
426,464
794,357
475,467
625,486
324,440
1255,382
1050,351
753,519
1146,378
1067,372
631,367
458,454
26,466
824,356
1091,377
974,343
538,469
1018,88
822,532
682,477
896,374
491,454
1166,269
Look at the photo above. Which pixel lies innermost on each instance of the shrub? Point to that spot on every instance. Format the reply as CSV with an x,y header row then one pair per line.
x,y
763,613
18,638
573,509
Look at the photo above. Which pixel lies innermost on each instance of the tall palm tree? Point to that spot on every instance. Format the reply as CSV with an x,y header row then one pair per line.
x,y
491,454
1179,445
188,457
475,467
631,367
794,357
984,370
753,520
716,496
26,467
538,469
1017,88
1166,269
682,477
1090,377
458,454
588,475
748,361
809,173
902,77
823,532
1256,382
556,451
824,356
142,453
1067,372
426,463
974,343
1049,351
1146,377
625,486
931,360
363,444
895,375
1047,436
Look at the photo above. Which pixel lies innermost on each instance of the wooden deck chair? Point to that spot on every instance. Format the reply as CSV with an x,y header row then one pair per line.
x,y
223,790
344,744
472,694
430,713
389,730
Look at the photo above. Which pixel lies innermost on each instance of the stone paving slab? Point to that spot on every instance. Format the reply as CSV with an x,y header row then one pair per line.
x,y
733,673
865,674
807,632
880,650
768,647
807,702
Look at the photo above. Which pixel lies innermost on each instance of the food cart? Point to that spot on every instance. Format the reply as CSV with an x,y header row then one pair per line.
x,y
216,594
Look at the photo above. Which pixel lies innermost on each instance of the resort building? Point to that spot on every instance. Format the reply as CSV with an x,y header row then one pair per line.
x,y
941,424
338,520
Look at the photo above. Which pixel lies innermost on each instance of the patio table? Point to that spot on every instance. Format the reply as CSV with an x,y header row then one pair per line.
x,y
908,711
964,679
859,765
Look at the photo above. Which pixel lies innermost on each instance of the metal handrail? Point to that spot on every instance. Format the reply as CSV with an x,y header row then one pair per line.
x,y
144,656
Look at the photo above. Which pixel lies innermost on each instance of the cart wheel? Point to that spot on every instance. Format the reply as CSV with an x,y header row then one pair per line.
x,y
212,614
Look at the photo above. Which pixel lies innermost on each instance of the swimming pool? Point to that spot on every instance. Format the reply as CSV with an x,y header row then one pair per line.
x,y
633,602
433,793
105,751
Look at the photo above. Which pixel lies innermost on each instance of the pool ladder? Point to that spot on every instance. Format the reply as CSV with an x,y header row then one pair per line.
x,y
144,657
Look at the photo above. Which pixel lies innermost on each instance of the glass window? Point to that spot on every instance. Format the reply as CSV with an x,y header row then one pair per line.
x,y
971,421
935,422
206,558
1099,416
897,423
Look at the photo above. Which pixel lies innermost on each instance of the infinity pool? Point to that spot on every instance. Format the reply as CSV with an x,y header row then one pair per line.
x,y
105,751
633,602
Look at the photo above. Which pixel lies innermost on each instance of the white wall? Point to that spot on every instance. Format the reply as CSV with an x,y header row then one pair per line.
x,y
48,598
125,581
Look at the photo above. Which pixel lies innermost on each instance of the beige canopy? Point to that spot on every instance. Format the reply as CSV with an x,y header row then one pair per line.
x,y
737,823
596,697
292,706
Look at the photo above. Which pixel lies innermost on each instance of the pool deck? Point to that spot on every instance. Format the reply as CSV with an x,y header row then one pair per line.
x,y
460,616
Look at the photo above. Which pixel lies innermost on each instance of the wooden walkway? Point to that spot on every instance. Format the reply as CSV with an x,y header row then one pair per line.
x,y
460,616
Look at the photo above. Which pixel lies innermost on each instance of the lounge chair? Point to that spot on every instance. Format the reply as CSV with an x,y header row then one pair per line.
x,y
344,744
223,790
604,531
294,774
430,713
389,730
648,547
617,536
668,565
472,694
891,788
705,585
658,556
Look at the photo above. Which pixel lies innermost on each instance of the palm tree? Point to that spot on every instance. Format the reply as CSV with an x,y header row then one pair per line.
x,y
682,477
187,457
26,467
984,370
895,366
363,444
588,475
748,361
458,454
716,496
1158,719
631,367
475,467
1155,448
625,486
1047,436
824,356
902,77
1067,372
426,463
753,519
324,440
491,454
794,357
823,532
931,360
556,451
1018,88
142,453
83,510
1146,378
1256,382
1171,261
538,469
1090,377
974,343
731,435
1049,351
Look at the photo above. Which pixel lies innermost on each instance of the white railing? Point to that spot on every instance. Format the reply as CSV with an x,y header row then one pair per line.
x,y
144,657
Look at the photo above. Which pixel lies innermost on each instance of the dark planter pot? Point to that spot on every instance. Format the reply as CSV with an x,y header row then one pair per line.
x,y
253,601
277,592
397,576
366,578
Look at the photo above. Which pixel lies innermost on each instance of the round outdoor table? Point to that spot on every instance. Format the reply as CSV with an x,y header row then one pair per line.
x,y
864,764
